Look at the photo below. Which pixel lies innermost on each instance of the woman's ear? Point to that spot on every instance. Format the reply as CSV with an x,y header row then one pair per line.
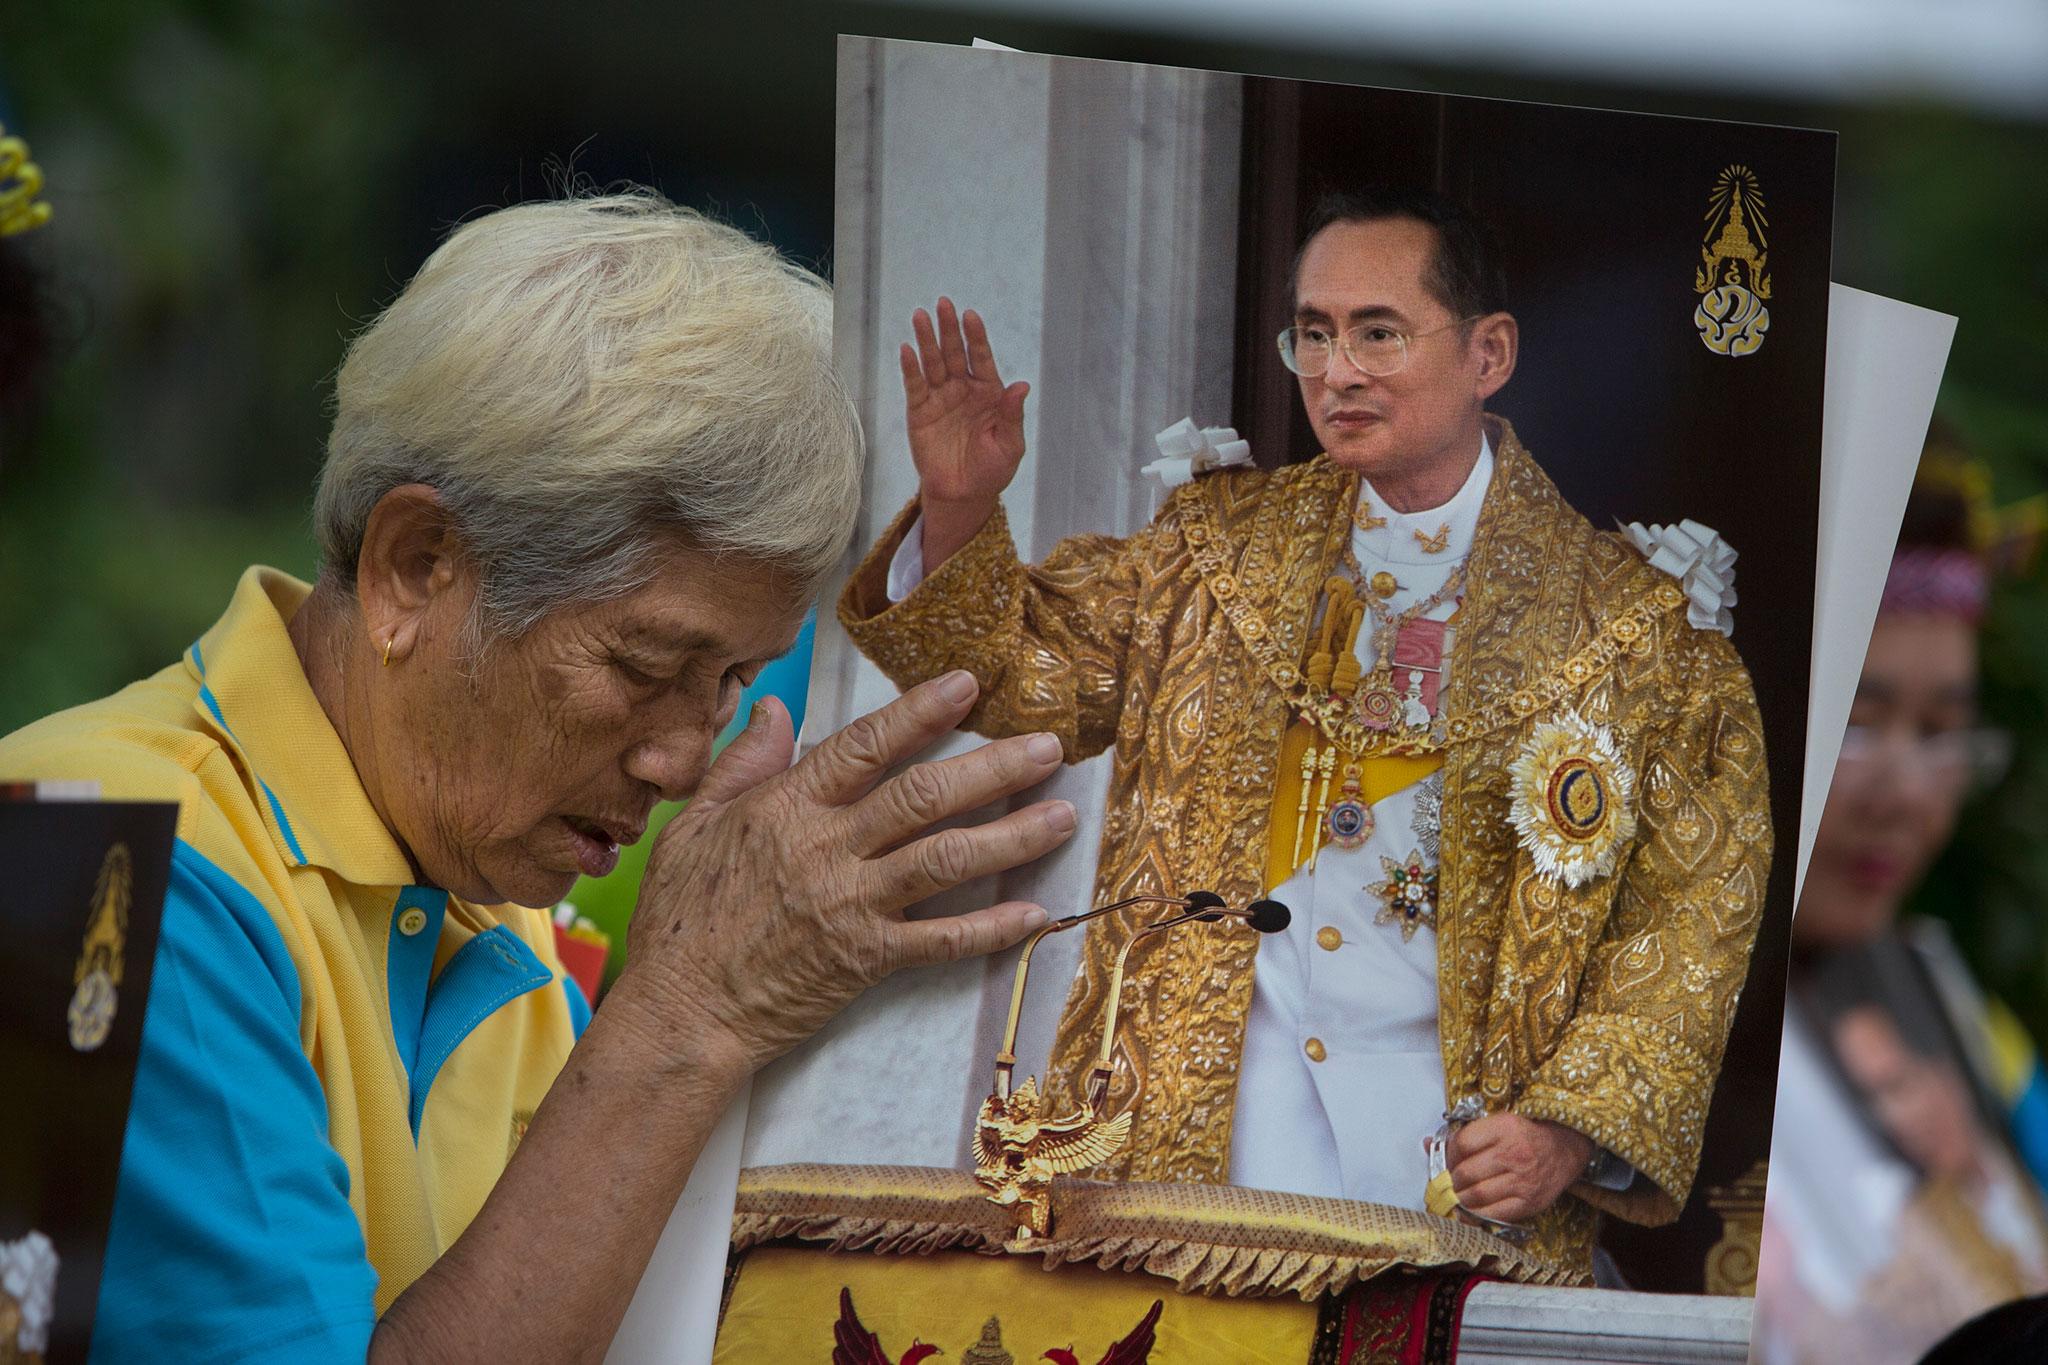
x,y
410,562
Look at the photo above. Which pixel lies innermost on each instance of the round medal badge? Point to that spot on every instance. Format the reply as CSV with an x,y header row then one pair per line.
x,y
1348,824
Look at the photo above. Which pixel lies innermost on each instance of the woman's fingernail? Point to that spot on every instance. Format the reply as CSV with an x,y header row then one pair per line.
x,y
1060,816
1035,917
1044,748
957,686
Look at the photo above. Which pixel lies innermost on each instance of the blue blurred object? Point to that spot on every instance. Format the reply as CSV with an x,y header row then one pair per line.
x,y
789,678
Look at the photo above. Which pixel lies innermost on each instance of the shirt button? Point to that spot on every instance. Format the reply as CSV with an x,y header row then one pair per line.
x,y
1328,937
412,921
1315,1049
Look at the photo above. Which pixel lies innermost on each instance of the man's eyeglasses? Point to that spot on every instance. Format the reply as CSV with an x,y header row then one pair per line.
x,y
1372,347
1974,757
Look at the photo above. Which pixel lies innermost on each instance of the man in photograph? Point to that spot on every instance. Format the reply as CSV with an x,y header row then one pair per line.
x,y
1508,776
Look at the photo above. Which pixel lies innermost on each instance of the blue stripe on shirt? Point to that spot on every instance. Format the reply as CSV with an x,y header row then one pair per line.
x,y
232,1234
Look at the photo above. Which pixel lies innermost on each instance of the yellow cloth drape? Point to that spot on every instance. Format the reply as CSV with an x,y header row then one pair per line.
x,y
785,1305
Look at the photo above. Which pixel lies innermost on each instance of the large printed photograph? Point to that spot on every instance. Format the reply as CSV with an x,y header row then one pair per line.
x,y
1353,481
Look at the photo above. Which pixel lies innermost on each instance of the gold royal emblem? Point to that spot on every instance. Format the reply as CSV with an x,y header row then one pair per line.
x,y
97,978
1574,799
1732,277
1018,1150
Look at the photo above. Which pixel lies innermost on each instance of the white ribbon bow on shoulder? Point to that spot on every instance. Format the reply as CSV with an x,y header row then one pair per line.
x,y
1703,564
1187,450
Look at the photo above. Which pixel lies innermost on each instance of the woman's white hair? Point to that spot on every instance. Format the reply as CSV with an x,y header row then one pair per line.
x,y
588,383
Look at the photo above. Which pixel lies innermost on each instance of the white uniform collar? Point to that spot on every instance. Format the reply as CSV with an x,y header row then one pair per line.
x,y
1401,540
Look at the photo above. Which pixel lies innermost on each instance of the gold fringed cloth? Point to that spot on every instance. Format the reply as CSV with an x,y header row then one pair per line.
x,y
1203,1239
1243,1275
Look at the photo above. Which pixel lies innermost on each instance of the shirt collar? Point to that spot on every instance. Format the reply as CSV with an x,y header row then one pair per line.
x,y
1415,537
253,692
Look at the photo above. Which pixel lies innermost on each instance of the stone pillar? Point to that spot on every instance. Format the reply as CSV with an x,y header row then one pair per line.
x,y
1089,213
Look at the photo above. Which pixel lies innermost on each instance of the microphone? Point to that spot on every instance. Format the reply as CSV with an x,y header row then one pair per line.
x,y
1205,900
1268,917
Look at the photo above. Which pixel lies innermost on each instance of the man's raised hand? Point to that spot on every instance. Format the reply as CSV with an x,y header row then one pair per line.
x,y
966,426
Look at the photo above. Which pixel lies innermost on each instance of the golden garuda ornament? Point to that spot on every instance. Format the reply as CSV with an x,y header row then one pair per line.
x,y
1017,1152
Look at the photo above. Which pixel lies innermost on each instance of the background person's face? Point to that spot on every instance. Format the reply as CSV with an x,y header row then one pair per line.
x,y
516,780
1374,273
1921,1102
1890,813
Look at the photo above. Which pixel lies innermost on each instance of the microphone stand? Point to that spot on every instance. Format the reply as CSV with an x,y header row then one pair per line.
x,y
1006,1056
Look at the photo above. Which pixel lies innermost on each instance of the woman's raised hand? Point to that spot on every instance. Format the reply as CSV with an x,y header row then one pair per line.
x,y
966,427
777,895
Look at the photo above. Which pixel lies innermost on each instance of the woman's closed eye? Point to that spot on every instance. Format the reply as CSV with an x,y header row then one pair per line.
x,y
642,673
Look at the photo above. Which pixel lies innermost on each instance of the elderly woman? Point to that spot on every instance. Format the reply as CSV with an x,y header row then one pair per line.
x,y
584,475
1900,1203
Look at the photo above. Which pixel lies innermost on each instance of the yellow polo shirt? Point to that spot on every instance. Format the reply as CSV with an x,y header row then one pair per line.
x,y
336,1062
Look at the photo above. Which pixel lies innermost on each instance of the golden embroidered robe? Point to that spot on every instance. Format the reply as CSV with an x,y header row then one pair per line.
x,y
1604,1007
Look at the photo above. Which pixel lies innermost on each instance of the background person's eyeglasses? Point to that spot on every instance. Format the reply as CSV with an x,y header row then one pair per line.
x,y
1976,756
1372,347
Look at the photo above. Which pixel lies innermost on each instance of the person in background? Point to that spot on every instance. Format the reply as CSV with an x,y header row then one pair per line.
x,y
1899,1201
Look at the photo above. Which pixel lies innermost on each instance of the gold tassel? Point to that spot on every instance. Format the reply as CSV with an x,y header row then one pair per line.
x,y
1327,764
1308,774
1344,677
1337,610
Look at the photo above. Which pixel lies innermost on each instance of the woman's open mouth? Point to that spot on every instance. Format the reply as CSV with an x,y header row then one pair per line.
x,y
597,852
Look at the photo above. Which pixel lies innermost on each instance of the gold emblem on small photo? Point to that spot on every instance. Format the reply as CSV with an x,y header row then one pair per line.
x,y
97,978
1733,277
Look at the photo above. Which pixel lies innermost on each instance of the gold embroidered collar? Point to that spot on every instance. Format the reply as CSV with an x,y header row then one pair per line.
x,y
1332,714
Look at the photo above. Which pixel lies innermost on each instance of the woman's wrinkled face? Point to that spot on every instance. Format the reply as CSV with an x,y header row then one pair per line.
x,y
510,776
1900,781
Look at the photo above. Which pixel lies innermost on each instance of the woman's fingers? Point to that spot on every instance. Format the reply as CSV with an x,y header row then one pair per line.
x,y
921,796
756,754
948,857
851,761
920,943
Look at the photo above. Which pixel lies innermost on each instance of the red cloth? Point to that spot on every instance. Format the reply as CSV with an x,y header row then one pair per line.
x,y
583,961
1404,1319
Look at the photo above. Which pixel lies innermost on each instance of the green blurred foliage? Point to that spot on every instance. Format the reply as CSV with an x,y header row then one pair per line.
x,y
193,155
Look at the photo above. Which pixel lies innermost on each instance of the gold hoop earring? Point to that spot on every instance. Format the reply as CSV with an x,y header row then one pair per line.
x,y
387,651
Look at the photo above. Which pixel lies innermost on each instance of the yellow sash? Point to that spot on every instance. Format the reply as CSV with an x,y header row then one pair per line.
x,y
1294,827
